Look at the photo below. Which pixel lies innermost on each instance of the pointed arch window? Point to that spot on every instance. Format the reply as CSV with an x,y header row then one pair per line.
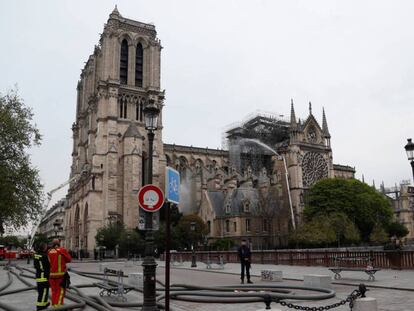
x,y
139,65
123,108
123,66
139,110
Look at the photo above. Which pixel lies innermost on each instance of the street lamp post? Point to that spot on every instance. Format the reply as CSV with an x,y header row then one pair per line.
x,y
193,257
29,251
79,241
101,239
149,265
128,238
409,148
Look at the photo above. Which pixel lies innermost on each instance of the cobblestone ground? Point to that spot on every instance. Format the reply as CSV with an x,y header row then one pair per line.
x,y
388,299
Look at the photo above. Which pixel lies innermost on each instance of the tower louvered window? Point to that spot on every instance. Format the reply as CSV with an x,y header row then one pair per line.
x,y
123,66
139,65
123,108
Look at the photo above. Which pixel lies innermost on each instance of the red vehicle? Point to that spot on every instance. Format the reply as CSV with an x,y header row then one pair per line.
x,y
24,253
3,251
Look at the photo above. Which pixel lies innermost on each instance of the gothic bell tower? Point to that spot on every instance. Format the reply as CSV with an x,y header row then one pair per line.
x,y
309,156
110,150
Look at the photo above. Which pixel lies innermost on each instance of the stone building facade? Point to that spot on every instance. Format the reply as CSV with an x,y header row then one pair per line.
x,y
55,214
110,146
402,202
243,192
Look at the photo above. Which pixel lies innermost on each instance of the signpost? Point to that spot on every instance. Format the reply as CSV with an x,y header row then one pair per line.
x,y
150,198
172,185
172,190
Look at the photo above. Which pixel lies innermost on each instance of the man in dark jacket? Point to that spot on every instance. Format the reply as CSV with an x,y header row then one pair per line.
x,y
245,257
42,266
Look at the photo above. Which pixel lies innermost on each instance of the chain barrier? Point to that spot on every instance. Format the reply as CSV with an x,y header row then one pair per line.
x,y
360,292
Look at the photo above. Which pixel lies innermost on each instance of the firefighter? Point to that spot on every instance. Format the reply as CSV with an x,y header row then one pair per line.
x,y
58,280
42,266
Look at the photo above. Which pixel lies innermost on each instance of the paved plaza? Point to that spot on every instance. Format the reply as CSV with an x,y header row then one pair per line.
x,y
393,289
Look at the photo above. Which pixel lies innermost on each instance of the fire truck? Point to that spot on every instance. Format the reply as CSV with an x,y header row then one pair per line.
x,y
2,252
6,253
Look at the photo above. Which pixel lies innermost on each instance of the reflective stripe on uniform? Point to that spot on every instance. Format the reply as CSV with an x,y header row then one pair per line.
x,y
44,301
56,273
41,304
41,279
44,295
59,263
62,292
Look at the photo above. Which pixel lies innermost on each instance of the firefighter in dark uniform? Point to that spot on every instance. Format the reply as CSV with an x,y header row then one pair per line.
x,y
42,266
245,256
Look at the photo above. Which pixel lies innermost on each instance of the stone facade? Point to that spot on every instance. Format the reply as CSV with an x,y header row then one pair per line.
x,y
245,192
402,200
55,214
110,146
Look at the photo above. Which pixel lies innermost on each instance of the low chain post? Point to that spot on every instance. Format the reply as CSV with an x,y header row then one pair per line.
x,y
357,293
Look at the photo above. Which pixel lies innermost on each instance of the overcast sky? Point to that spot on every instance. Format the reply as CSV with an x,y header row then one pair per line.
x,y
225,59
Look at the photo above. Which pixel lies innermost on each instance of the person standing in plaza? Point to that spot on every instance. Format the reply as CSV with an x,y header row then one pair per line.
x,y
245,257
59,277
42,267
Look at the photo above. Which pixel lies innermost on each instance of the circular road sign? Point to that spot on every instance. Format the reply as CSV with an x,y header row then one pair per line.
x,y
150,198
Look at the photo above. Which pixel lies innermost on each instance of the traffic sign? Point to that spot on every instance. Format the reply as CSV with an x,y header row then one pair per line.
x,y
150,198
172,185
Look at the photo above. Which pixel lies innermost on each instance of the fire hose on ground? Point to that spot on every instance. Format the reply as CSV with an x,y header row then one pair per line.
x,y
182,292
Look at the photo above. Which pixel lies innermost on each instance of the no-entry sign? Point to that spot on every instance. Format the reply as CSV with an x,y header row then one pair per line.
x,y
150,198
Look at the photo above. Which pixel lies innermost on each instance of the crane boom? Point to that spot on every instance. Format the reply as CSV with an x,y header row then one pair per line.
x,y
45,209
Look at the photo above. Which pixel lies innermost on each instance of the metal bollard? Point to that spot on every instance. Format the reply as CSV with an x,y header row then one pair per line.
x,y
366,304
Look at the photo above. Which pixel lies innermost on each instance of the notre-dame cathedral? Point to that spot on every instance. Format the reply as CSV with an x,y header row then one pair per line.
x,y
254,188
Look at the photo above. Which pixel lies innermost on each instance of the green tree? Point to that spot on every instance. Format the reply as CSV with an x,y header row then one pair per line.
x,y
223,244
335,229
187,235
20,187
109,236
12,240
130,241
397,229
361,203
378,235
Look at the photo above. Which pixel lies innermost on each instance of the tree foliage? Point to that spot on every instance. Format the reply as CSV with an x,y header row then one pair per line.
x,y
115,234
109,236
397,229
324,230
187,235
378,235
12,240
20,186
361,203
224,244
182,235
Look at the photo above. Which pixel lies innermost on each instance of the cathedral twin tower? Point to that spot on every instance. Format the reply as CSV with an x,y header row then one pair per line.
x,y
110,146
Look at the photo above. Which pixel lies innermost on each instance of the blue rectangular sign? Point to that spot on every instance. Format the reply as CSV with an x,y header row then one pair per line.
x,y
172,185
